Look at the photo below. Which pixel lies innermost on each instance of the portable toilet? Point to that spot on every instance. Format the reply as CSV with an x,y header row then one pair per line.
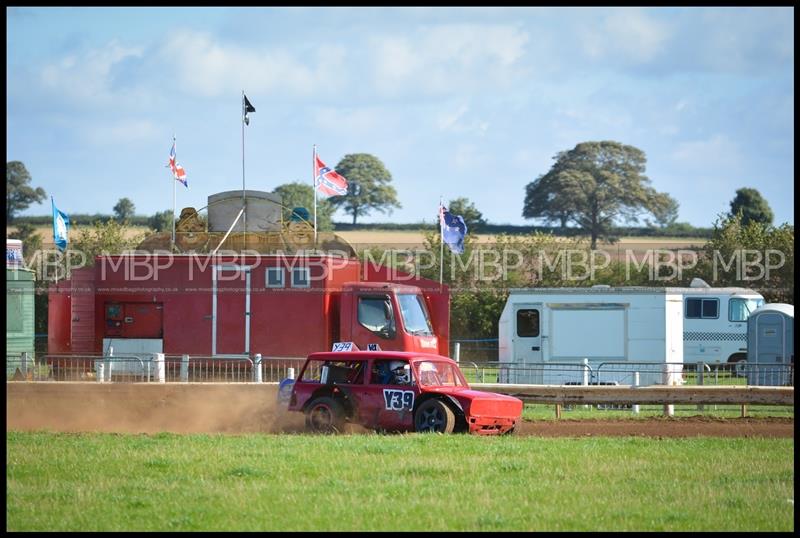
x,y
770,345
20,291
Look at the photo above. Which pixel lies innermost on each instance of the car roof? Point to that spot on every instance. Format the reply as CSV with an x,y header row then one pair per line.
x,y
363,355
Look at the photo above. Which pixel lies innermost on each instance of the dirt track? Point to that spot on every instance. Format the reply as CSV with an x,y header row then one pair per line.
x,y
239,408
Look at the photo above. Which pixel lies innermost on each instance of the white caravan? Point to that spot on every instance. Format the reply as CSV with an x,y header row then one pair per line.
x,y
584,335
715,322
627,324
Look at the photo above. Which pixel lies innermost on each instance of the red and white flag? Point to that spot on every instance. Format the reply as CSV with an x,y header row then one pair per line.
x,y
328,181
177,170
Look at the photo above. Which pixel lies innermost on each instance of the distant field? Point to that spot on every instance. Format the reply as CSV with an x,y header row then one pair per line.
x,y
409,239
415,482
47,233
406,238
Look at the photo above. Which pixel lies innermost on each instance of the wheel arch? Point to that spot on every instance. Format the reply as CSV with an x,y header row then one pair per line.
x,y
737,357
334,393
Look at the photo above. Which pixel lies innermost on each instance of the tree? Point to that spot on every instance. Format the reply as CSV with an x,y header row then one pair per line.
x,y
753,255
472,217
124,209
161,221
19,194
594,185
665,209
31,240
109,237
298,194
753,206
368,186
541,202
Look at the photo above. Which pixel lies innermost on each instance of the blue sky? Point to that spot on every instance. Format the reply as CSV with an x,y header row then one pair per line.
x,y
469,102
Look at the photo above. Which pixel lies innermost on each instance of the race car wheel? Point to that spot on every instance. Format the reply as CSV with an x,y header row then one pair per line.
x,y
324,415
434,416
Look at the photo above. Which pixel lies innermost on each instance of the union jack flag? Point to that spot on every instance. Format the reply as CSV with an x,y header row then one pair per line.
x,y
177,170
328,181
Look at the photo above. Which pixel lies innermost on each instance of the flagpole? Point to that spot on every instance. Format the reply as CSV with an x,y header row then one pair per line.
x,y
441,241
53,205
244,199
172,248
314,184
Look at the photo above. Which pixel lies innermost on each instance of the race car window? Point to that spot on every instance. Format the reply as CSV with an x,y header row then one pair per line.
x,y
440,374
390,372
376,314
339,372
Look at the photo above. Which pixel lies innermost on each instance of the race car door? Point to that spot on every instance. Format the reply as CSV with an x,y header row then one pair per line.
x,y
385,403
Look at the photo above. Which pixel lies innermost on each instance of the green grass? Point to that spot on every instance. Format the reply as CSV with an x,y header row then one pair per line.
x,y
94,482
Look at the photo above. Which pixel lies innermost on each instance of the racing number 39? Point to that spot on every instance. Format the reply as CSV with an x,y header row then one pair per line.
x,y
398,400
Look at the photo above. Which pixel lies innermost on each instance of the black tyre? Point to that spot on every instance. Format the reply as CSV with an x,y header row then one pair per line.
x,y
738,365
434,416
324,415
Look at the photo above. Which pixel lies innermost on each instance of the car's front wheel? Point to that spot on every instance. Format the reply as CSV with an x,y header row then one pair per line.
x,y
324,415
434,416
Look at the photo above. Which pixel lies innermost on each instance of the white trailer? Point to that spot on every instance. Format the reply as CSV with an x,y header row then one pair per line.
x,y
715,322
568,335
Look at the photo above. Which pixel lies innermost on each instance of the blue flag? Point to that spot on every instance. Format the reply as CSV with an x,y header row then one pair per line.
x,y
60,227
454,229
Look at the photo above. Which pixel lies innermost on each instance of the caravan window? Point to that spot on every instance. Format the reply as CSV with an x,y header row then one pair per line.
x,y
740,309
697,308
528,323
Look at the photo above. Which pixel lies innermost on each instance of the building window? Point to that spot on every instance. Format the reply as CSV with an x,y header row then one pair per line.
x,y
528,323
274,277
300,277
697,308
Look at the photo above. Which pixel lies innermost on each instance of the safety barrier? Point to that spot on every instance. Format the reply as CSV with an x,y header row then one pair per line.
x,y
653,394
156,367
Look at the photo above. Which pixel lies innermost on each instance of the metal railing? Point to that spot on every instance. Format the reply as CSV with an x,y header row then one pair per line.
x,y
631,373
150,367
552,373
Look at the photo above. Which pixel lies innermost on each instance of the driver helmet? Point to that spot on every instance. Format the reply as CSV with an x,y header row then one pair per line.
x,y
402,374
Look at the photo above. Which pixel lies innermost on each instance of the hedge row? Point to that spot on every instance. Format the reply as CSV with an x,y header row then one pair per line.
x,y
680,230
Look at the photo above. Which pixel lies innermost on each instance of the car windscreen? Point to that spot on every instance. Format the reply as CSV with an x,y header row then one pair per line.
x,y
415,315
439,374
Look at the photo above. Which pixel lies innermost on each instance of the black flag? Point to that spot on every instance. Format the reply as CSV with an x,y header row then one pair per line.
x,y
247,108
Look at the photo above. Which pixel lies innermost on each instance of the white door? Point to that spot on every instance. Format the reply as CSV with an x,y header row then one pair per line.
x,y
527,342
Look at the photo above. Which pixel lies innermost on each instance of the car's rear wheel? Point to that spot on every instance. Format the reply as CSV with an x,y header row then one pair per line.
x,y
434,416
324,415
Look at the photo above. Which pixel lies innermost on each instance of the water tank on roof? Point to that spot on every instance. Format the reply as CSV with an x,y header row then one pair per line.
x,y
263,211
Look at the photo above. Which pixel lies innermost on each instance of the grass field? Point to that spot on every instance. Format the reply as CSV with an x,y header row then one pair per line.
x,y
392,238
96,482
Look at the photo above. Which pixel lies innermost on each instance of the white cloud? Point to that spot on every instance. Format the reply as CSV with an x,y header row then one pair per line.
x,y
123,132
202,65
86,77
630,35
456,121
448,58
718,153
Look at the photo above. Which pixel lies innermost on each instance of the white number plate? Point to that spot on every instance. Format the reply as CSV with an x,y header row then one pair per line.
x,y
398,400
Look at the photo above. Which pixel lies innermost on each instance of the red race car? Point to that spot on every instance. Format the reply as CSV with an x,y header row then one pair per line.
x,y
396,391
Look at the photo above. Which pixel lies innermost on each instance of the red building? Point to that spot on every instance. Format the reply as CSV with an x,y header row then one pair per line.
x,y
275,305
